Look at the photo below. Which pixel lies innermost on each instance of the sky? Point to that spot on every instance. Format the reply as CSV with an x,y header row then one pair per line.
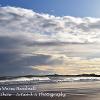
x,y
77,8
49,37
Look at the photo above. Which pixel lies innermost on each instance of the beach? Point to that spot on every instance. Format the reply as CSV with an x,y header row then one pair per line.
x,y
52,91
68,97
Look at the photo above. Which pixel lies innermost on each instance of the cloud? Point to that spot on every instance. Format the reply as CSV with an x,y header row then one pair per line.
x,y
12,62
33,42
45,27
71,65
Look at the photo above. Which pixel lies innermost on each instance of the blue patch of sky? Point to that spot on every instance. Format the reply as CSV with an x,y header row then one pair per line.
x,y
78,8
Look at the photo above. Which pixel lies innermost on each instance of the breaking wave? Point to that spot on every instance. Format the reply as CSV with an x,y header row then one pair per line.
x,y
24,80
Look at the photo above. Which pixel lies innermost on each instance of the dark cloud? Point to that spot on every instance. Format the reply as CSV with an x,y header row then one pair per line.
x,y
9,42
12,62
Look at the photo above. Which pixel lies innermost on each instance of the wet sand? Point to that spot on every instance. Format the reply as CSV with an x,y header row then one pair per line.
x,y
68,97
73,91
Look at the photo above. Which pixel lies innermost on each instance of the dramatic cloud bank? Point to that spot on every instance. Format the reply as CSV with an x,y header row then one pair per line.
x,y
32,43
44,27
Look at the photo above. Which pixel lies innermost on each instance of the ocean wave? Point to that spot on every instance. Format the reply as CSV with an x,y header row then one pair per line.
x,y
24,80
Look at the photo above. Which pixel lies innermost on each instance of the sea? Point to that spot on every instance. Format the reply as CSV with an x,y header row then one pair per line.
x,y
24,86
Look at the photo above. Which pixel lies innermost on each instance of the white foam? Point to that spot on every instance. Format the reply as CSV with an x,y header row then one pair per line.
x,y
24,80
